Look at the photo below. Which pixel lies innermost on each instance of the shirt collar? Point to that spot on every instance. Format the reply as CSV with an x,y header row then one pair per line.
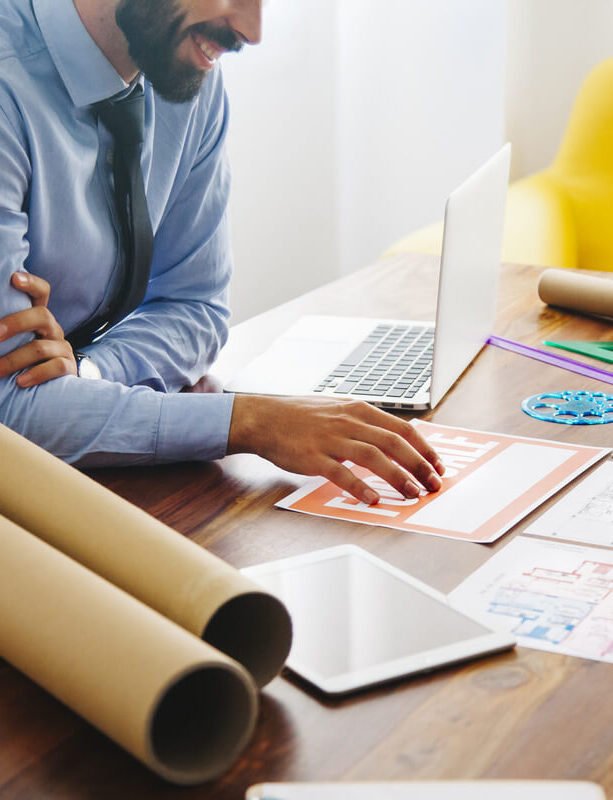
x,y
86,72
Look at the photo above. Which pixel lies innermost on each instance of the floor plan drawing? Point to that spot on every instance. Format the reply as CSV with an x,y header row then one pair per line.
x,y
550,595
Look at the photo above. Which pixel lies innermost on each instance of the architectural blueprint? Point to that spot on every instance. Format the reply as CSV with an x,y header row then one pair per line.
x,y
551,596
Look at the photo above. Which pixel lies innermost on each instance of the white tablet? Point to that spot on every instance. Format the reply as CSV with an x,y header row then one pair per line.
x,y
429,790
358,621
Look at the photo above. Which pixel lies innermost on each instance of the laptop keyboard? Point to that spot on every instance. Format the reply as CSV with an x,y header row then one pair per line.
x,y
393,361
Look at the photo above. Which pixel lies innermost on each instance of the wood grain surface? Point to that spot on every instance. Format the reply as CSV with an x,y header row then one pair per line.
x,y
526,714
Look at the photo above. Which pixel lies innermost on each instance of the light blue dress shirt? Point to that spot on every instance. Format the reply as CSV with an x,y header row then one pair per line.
x,y
57,220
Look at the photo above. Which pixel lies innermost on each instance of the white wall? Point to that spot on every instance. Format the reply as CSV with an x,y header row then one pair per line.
x,y
421,105
354,118
281,146
351,122
553,44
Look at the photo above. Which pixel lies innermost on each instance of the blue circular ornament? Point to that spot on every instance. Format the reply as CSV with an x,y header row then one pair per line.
x,y
570,408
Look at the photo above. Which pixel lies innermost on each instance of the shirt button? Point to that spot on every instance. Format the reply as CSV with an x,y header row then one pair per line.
x,y
109,156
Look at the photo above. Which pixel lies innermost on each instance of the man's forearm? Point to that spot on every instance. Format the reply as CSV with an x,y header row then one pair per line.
x,y
165,346
100,423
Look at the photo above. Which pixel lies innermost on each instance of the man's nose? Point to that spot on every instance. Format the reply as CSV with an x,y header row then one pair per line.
x,y
245,18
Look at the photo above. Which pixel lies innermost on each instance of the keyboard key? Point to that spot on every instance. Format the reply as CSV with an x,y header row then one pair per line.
x,y
354,358
345,387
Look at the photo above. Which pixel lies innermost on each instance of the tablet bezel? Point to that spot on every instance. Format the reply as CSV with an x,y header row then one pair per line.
x,y
439,657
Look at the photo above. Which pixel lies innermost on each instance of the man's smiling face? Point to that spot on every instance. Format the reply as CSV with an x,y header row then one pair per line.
x,y
177,42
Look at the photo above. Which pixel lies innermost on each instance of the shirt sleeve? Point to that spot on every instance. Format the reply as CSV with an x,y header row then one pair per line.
x,y
172,339
101,423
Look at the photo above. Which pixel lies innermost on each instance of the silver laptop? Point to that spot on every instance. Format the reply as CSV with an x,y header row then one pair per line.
x,y
402,364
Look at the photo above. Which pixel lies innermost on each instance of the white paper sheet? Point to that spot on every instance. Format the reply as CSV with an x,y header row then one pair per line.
x,y
549,595
585,514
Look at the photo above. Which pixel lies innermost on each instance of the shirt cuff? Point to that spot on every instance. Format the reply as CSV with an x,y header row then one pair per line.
x,y
194,427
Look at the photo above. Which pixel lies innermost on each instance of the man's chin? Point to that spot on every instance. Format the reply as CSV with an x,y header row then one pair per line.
x,y
176,88
183,94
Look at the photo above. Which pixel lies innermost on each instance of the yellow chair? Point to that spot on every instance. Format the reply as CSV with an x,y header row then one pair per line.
x,y
563,215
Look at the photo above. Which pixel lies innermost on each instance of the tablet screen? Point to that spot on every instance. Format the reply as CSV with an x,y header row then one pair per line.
x,y
352,612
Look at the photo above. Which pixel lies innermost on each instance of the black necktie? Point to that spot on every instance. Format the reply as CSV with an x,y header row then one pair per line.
x,y
125,120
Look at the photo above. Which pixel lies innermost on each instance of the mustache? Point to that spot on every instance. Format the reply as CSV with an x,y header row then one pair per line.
x,y
221,35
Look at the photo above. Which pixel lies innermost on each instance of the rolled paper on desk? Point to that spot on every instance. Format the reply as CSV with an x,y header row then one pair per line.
x,y
142,556
181,707
584,293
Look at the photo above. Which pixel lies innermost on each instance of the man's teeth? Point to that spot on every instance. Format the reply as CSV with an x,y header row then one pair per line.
x,y
211,53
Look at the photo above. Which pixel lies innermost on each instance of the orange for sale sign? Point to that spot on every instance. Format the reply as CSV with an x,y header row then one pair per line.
x,y
491,481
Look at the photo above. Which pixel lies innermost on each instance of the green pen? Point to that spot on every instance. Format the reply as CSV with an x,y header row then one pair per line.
x,y
603,351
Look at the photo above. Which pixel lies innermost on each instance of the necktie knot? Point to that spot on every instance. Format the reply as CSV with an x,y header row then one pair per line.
x,y
125,118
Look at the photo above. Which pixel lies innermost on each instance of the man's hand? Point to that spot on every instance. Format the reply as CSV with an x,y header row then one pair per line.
x,y
314,437
49,355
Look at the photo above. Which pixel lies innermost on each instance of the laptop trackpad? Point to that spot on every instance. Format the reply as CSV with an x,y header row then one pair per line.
x,y
297,361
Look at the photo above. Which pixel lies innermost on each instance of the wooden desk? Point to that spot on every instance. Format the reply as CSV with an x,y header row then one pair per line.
x,y
526,714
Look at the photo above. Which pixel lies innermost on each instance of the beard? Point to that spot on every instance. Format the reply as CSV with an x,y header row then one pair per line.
x,y
154,30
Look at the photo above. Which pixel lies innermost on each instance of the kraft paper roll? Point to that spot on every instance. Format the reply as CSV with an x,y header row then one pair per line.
x,y
178,705
142,556
584,293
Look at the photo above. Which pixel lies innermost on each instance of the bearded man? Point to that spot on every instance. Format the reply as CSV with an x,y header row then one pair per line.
x,y
79,219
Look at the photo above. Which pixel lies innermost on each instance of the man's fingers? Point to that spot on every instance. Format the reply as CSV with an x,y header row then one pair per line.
x,y
371,457
37,319
37,288
49,355
373,447
344,478
416,440
55,368
407,456
33,353
383,420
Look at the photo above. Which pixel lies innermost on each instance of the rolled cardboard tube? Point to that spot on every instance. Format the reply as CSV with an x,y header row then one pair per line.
x,y
181,707
142,556
584,293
